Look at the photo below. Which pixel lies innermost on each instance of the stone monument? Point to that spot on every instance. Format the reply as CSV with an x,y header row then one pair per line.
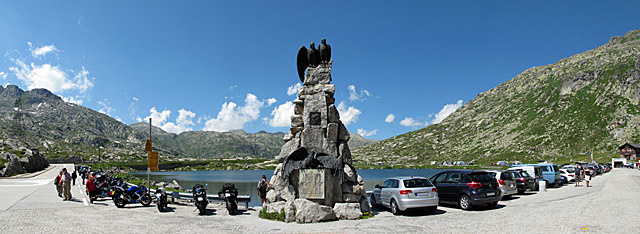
x,y
314,173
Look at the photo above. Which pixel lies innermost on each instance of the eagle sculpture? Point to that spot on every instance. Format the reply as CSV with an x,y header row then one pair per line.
x,y
325,51
310,57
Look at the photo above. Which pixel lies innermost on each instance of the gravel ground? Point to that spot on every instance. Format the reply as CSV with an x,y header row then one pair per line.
x,y
610,206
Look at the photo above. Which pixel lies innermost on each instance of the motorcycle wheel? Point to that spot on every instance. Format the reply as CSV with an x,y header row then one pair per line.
x,y
161,205
202,209
231,208
145,200
118,202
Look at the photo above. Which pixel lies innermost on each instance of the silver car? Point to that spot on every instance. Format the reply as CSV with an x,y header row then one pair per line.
x,y
507,183
403,193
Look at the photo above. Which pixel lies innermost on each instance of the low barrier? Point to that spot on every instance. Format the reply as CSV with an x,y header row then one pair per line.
x,y
211,197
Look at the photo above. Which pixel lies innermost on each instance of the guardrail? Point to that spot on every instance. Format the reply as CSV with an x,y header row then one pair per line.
x,y
211,197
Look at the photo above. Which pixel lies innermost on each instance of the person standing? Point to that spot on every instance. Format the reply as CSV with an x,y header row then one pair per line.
x,y
262,188
578,174
587,176
74,175
58,182
66,184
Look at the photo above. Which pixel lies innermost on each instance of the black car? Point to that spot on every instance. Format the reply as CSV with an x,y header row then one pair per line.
x,y
523,180
467,188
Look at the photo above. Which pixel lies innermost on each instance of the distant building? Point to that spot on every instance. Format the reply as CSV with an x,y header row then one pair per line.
x,y
629,151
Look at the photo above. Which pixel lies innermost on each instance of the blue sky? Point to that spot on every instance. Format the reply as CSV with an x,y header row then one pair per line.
x,y
194,65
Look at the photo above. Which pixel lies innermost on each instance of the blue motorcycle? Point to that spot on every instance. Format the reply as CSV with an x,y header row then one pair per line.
x,y
130,193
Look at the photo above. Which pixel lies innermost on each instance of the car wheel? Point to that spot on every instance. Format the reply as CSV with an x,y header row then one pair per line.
x,y
394,207
465,202
373,201
506,197
432,209
492,204
521,191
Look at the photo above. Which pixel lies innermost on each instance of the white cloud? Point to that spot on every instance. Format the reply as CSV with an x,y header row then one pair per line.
x,y
270,101
135,99
390,118
41,51
230,117
157,118
411,122
183,122
231,88
446,111
366,133
355,95
348,114
75,100
3,75
50,77
282,115
105,107
293,89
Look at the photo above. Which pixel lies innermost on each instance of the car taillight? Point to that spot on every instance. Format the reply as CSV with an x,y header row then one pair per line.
x,y
435,190
475,185
405,192
522,180
501,182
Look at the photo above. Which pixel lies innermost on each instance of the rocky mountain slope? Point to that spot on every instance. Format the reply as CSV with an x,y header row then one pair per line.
x,y
558,111
42,120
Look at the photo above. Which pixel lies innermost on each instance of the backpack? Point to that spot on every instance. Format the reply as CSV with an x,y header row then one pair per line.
x,y
57,180
262,187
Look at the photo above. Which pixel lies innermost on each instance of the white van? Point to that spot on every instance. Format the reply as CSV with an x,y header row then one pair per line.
x,y
535,171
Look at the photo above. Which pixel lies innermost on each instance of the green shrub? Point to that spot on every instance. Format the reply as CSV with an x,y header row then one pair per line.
x,y
272,215
366,215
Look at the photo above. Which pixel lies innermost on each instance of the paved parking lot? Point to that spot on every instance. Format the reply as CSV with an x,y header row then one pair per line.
x,y
610,206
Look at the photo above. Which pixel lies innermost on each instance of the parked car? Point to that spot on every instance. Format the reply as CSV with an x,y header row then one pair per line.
x,y
550,173
506,182
467,188
533,170
403,193
569,175
523,180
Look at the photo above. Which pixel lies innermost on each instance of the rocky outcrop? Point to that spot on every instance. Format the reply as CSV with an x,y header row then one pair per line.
x,y
311,212
34,162
347,210
12,167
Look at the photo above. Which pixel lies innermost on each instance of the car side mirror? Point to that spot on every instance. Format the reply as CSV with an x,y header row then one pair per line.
x,y
378,186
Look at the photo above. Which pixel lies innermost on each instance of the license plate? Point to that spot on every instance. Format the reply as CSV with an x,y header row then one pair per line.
x,y
491,194
422,194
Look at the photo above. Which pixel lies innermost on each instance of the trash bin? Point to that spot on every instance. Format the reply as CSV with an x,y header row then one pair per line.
x,y
543,186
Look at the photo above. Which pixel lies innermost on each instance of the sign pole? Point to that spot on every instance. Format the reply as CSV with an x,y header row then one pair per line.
x,y
149,169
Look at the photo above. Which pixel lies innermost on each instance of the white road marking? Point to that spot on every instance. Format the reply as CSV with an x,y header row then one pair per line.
x,y
85,201
24,183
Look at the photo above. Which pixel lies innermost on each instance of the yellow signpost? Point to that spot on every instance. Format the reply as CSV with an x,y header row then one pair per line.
x,y
147,146
153,160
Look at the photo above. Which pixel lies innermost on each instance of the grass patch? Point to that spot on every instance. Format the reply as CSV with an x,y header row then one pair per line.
x,y
366,215
263,214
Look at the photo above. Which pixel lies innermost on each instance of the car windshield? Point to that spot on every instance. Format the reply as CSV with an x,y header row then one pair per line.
x,y
417,183
481,177
524,174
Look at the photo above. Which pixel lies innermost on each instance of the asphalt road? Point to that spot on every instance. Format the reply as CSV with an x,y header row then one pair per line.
x,y
610,206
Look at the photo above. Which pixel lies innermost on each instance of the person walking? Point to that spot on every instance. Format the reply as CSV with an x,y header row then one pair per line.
x,y
74,175
262,188
66,184
578,174
91,188
587,176
58,182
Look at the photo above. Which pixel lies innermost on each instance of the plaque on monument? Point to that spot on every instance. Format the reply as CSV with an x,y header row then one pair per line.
x,y
311,183
315,118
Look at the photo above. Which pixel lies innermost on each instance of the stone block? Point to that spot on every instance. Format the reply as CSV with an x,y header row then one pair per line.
x,y
287,137
296,121
344,153
350,173
364,205
313,139
360,180
315,104
287,149
330,148
343,134
318,75
332,132
289,212
275,207
350,211
298,108
332,114
311,212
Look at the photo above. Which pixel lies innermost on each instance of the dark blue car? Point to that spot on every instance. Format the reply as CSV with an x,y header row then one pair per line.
x,y
467,188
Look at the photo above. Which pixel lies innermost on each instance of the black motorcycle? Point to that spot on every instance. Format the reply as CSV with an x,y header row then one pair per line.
x,y
130,193
161,199
230,194
200,198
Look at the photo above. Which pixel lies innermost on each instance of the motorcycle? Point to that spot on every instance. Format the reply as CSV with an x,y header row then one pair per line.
x,y
200,198
230,194
161,199
130,193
